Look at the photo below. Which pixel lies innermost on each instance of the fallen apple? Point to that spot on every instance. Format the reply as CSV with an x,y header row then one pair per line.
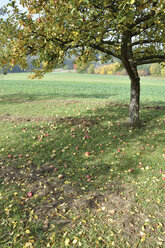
x,y
87,154
60,176
30,194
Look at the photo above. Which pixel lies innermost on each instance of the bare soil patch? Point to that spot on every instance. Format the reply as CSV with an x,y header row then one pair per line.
x,y
70,120
55,201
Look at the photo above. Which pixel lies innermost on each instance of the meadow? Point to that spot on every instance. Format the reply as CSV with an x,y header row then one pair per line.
x,y
73,172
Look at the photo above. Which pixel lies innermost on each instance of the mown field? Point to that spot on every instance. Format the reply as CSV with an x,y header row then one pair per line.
x,y
73,172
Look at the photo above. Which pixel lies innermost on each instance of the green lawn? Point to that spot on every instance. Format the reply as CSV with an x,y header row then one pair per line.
x,y
93,180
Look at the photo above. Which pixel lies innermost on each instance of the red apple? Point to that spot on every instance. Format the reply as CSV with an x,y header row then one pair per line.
x,y
130,170
55,169
87,154
88,176
60,176
9,156
30,194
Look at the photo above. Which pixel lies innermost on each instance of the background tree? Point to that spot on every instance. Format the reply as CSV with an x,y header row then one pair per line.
x,y
132,31
8,36
3,69
155,69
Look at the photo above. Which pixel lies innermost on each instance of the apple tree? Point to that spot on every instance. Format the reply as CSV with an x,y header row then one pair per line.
x,y
132,31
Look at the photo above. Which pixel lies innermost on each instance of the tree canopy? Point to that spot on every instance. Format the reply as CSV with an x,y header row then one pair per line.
x,y
132,31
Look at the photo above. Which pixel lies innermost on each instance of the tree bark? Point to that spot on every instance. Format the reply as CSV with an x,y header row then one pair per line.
x,y
131,68
134,101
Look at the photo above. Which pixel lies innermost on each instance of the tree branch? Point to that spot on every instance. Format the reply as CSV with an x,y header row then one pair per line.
x,y
150,59
145,42
104,50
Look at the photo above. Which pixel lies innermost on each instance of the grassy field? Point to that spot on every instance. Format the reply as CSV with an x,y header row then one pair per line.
x,y
73,173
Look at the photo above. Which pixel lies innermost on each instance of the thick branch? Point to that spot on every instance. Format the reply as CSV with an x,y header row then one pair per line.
x,y
104,50
150,59
108,42
127,57
143,19
140,42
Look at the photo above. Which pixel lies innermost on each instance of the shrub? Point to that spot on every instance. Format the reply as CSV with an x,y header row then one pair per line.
x,y
91,69
143,72
110,69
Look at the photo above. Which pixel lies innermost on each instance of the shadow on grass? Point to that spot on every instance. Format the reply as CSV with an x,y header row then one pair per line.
x,y
22,98
93,144
63,161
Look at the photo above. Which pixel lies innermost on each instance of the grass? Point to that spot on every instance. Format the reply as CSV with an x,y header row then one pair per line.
x,y
94,180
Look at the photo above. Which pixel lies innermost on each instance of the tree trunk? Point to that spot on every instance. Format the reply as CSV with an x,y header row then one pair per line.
x,y
134,101
131,68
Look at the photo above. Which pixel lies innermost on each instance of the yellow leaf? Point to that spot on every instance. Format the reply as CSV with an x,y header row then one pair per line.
x,y
36,217
28,244
31,212
75,241
67,242
67,182
143,228
143,238
65,234
79,243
